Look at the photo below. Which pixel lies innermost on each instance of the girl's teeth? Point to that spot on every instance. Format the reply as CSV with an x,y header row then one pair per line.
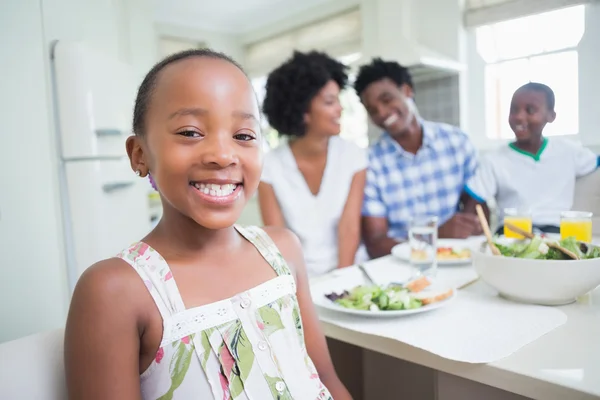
x,y
212,189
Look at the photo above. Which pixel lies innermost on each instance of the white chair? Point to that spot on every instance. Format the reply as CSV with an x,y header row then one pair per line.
x,y
32,368
587,197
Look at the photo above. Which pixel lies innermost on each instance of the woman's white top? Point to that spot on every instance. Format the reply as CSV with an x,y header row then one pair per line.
x,y
315,218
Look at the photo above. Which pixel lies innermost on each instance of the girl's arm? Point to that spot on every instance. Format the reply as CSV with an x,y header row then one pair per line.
x,y
269,207
349,226
289,245
102,335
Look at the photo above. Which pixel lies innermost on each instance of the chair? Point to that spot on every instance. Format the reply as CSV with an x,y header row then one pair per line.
x,y
32,368
587,197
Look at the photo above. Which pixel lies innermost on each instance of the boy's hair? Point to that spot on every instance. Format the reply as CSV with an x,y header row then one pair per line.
x,y
378,70
541,88
146,89
291,87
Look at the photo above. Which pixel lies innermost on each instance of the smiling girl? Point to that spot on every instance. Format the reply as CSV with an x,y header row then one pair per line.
x,y
200,308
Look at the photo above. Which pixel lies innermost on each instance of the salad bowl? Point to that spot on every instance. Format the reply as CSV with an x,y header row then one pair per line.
x,y
529,272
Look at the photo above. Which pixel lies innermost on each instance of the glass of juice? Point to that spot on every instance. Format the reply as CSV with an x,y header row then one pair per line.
x,y
422,238
577,224
520,219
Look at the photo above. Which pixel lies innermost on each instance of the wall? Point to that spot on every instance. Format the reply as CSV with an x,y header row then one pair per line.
x,y
438,99
228,44
589,86
34,286
33,291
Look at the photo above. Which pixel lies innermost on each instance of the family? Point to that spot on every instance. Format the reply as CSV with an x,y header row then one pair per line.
x,y
341,202
202,308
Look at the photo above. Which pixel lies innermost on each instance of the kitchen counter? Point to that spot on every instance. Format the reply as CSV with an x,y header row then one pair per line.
x,y
561,365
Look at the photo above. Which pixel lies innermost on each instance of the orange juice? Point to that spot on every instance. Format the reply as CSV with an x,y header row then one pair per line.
x,y
524,223
580,228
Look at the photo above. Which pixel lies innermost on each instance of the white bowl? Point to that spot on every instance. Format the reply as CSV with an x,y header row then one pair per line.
x,y
544,282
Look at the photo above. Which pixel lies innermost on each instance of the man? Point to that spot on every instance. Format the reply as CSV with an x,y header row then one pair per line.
x,y
416,168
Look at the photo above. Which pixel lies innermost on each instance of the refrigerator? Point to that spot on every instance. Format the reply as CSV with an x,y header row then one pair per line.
x,y
104,204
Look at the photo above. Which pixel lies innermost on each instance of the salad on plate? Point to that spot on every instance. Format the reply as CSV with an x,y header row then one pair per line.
x,y
392,297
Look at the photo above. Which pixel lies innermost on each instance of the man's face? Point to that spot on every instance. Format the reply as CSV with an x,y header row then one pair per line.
x,y
389,106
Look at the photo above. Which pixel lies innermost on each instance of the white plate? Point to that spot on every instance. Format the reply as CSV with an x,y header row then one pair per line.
x,y
321,301
402,251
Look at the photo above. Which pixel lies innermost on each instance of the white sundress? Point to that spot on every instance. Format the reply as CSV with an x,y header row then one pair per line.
x,y
250,346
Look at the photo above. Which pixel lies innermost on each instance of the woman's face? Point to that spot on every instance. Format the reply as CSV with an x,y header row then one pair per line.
x,y
202,141
324,112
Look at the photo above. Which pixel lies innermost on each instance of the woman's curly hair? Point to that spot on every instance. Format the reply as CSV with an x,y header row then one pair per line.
x,y
291,87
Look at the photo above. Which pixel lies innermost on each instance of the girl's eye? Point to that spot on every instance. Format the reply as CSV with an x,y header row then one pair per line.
x,y
246,137
189,133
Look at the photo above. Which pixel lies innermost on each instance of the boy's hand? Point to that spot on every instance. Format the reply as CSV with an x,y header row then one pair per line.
x,y
460,226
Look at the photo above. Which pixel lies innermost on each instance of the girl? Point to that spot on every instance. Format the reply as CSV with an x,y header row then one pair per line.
x,y
313,184
200,308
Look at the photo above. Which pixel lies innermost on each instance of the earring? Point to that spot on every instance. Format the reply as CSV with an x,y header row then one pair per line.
x,y
138,172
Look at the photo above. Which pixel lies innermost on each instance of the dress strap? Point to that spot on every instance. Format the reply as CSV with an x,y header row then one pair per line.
x,y
266,247
156,275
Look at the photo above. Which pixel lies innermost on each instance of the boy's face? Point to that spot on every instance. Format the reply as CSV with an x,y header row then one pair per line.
x,y
529,114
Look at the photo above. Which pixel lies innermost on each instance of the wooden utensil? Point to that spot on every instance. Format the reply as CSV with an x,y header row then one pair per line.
x,y
530,235
486,230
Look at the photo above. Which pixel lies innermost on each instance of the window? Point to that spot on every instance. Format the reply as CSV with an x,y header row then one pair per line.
x,y
541,48
354,115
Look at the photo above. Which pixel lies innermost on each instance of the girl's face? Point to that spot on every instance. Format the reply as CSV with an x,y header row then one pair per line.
x,y
202,140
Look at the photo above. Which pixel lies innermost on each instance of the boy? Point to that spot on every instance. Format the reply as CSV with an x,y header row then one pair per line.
x,y
532,173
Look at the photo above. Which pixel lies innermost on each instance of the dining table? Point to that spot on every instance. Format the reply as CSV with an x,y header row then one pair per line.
x,y
490,350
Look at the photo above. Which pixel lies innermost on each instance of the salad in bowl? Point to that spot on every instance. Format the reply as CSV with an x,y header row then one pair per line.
x,y
540,270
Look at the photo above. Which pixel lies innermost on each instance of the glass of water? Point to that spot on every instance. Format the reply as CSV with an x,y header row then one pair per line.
x,y
422,238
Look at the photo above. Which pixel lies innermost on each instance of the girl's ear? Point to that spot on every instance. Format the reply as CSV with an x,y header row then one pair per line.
x,y
135,151
551,116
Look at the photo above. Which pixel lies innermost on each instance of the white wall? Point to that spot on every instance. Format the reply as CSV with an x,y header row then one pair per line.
x,y
33,288
589,86
228,44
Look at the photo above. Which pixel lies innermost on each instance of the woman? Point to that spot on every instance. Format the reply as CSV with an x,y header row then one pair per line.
x,y
313,184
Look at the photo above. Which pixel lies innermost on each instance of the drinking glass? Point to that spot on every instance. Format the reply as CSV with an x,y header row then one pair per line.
x,y
577,224
519,218
422,238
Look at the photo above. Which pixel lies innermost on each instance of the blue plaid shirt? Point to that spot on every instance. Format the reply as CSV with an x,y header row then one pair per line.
x,y
401,184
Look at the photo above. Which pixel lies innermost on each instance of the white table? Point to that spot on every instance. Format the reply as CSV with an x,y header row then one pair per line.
x,y
562,365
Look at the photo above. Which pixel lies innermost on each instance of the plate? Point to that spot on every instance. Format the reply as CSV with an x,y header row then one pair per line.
x,y
319,299
402,251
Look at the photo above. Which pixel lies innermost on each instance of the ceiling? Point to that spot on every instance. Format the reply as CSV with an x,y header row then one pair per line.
x,y
230,16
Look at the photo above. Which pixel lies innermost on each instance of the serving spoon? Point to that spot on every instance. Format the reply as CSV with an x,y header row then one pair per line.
x,y
553,245
486,230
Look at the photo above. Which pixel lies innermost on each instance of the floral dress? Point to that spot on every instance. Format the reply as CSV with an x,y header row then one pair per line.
x,y
250,346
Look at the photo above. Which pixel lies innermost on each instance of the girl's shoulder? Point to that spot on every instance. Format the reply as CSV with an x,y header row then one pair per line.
x,y
110,285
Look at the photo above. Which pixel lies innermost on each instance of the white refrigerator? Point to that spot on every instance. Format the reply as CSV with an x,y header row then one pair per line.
x,y
104,204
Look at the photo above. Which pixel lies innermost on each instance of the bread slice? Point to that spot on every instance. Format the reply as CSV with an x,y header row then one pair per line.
x,y
418,284
434,296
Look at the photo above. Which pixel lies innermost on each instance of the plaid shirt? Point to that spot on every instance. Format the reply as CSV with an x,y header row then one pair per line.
x,y
401,184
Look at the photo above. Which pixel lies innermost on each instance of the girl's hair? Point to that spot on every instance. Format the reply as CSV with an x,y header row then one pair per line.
x,y
144,94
